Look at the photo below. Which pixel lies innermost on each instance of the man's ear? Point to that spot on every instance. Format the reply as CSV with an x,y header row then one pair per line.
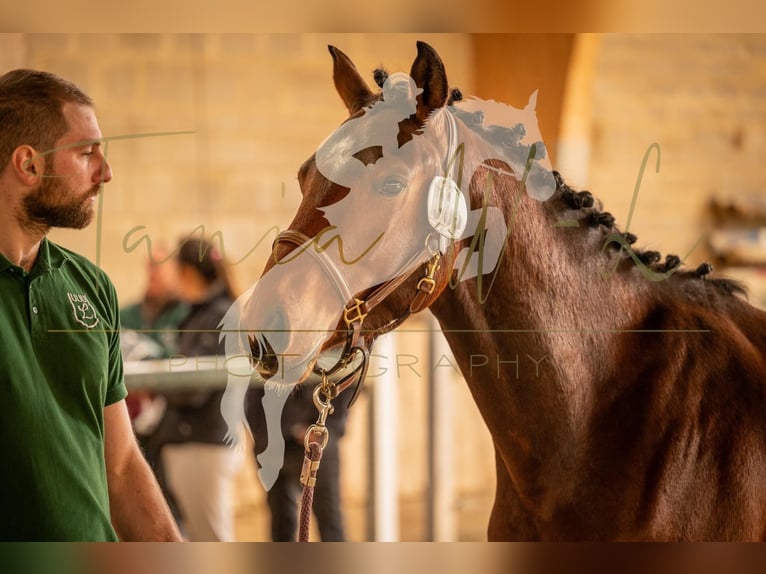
x,y
27,164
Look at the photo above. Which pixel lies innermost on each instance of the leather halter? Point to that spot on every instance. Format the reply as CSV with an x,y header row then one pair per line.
x,y
356,310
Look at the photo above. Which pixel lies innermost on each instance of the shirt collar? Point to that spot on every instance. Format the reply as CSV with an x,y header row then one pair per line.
x,y
4,263
49,256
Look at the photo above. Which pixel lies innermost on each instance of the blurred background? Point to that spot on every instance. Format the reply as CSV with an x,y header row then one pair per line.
x,y
258,105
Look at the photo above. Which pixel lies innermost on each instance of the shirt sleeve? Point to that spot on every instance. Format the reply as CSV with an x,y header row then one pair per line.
x,y
116,390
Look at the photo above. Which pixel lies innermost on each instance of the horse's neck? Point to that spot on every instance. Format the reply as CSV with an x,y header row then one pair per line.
x,y
534,352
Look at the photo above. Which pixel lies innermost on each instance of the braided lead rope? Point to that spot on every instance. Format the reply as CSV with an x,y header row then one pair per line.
x,y
314,443
310,466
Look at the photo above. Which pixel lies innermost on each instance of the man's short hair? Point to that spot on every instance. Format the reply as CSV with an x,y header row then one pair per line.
x,y
31,111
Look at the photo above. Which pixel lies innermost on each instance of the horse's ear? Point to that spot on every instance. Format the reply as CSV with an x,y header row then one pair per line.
x,y
429,75
352,88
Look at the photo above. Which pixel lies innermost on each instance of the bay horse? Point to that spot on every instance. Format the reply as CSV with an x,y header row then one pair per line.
x,y
646,417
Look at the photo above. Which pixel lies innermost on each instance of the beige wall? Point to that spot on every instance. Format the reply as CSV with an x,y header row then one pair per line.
x,y
12,51
703,100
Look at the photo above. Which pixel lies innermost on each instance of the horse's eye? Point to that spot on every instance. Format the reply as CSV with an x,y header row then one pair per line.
x,y
391,187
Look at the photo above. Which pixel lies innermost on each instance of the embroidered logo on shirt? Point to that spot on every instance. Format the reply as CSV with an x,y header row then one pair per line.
x,y
84,313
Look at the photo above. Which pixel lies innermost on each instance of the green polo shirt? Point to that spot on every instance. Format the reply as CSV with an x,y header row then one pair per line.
x,y
60,365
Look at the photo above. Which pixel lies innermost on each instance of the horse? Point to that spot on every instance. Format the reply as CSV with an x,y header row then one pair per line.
x,y
645,417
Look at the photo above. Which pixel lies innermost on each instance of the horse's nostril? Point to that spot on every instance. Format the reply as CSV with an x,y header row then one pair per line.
x,y
266,345
265,359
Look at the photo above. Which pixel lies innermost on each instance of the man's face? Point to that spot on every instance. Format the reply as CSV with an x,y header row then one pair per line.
x,y
74,174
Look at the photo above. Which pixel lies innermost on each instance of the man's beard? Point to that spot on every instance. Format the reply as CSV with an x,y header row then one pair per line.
x,y
54,205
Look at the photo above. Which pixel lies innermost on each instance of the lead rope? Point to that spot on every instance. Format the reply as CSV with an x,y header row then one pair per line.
x,y
314,444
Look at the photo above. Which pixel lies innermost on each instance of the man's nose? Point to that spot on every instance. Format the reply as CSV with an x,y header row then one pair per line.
x,y
104,174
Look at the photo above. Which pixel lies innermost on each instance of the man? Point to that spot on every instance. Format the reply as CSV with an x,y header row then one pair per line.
x,y
71,467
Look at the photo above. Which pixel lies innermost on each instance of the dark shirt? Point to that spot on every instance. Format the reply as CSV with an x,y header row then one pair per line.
x,y
195,416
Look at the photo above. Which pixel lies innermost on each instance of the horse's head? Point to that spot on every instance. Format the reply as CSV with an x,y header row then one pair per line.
x,y
385,217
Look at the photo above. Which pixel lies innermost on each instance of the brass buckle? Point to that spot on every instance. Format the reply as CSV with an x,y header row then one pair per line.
x,y
354,313
429,283
428,279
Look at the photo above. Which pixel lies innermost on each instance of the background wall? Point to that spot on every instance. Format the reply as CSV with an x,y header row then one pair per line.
x,y
702,98
259,104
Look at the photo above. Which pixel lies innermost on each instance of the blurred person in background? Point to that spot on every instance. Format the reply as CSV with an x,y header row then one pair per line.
x,y
199,467
157,315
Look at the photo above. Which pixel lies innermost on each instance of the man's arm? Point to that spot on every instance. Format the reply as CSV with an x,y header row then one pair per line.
x,y
139,511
